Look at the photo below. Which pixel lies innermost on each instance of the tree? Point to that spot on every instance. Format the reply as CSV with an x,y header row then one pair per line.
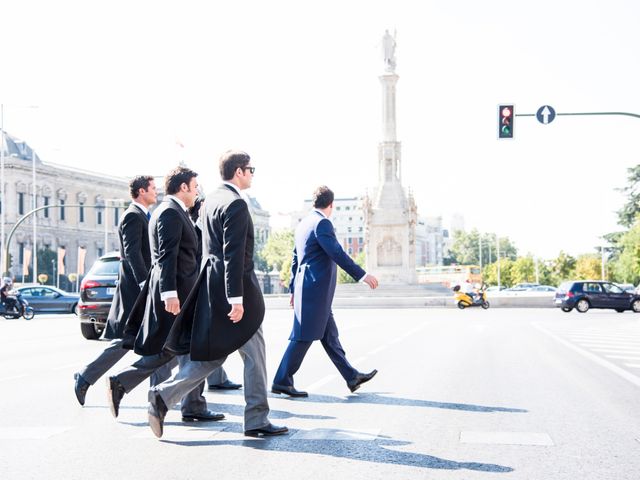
x,y
465,249
626,268
523,270
628,213
344,277
278,252
588,267
45,257
490,273
563,267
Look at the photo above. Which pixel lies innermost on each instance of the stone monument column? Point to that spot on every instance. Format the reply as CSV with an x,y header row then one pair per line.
x,y
390,215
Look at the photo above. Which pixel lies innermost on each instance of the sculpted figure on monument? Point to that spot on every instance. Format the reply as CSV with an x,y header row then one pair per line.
x,y
389,51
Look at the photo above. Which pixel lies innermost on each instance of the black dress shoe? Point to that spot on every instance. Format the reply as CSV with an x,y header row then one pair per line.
x,y
288,390
207,416
268,431
116,392
226,385
360,379
157,411
81,387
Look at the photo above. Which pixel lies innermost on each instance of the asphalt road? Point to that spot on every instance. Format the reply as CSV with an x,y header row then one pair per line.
x,y
502,393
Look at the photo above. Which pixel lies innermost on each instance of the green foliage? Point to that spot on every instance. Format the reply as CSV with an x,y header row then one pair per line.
x,y
278,253
627,267
344,277
45,257
629,212
588,267
523,270
466,246
563,267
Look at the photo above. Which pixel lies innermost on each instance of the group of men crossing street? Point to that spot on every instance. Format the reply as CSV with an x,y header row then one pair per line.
x,y
188,296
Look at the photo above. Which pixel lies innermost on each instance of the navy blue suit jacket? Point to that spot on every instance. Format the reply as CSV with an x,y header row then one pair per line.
x,y
314,274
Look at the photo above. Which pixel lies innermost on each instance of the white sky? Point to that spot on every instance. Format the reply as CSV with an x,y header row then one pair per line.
x,y
295,85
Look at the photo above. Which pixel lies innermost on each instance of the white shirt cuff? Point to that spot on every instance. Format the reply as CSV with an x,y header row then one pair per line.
x,y
165,295
234,300
362,277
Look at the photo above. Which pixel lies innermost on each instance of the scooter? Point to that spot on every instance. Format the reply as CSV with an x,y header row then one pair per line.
x,y
464,300
22,309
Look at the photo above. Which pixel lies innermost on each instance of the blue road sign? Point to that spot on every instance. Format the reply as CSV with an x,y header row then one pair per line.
x,y
546,114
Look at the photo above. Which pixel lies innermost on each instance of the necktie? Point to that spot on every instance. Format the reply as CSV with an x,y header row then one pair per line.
x,y
148,215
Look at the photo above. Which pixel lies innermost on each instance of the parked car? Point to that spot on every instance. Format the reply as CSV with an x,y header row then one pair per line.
x,y
96,294
585,294
543,288
45,298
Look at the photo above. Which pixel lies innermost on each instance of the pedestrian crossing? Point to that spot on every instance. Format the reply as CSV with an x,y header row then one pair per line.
x,y
616,344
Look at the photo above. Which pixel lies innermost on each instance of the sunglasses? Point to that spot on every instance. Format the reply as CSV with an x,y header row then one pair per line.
x,y
251,169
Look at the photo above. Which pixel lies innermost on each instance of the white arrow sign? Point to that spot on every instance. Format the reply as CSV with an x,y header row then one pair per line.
x,y
545,114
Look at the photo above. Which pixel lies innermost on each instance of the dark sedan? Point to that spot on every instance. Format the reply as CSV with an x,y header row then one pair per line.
x,y
46,299
585,294
96,294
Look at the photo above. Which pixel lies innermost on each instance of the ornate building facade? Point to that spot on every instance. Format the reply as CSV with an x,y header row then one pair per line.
x,y
84,211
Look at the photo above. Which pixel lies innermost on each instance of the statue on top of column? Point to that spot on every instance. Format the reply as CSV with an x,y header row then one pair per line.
x,y
389,51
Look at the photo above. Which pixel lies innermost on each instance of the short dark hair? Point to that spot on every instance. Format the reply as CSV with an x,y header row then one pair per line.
x,y
230,161
177,177
139,182
322,197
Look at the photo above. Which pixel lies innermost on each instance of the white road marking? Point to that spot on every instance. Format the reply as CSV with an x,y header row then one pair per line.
x,y
630,377
633,365
30,433
12,378
320,383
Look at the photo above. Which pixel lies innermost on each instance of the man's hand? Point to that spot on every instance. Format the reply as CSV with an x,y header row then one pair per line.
x,y
371,281
172,305
237,310
291,301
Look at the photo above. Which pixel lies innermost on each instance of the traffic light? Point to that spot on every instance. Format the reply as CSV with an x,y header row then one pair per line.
x,y
506,114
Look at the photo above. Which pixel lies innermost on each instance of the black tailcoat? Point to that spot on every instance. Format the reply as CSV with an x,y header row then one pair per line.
x,y
174,249
135,261
203,326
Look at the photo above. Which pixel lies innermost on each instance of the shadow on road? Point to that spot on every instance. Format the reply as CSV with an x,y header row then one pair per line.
x,y
375,451
382,399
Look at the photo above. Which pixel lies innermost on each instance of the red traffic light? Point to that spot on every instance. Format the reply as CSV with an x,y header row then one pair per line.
x,y
505,121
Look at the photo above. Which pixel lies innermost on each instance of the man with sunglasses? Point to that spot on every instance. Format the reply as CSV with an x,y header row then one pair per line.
x,y
226,308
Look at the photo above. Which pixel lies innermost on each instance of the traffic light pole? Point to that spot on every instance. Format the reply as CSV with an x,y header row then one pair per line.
x,y
583,114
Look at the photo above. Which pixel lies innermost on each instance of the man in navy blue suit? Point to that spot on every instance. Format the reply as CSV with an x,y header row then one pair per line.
x,y
313,283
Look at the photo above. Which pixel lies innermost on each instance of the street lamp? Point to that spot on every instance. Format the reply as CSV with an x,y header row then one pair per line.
x,y
106,230
3,144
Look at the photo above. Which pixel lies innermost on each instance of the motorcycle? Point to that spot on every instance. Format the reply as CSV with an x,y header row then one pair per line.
x,y
464,300
22,309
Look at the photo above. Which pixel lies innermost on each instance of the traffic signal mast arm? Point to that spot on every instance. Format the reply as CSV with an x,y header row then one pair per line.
x,y
584,113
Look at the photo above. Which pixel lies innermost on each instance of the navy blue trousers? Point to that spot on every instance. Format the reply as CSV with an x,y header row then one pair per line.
x,y
297,349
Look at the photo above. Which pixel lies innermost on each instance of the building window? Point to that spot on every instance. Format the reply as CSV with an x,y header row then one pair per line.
x,y
21,249
99,216
100,253
350,251
81,213
45,201
116,214
61,209
349,229
360,240
20,203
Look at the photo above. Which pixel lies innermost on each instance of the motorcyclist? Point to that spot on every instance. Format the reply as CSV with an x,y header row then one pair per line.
x,y
468,288
8,295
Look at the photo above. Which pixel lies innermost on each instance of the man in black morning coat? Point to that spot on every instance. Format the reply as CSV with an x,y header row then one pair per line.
x,y
224,313
135,261
174,253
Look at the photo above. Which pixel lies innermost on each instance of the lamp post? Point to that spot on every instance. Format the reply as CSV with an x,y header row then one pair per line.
x,y
106,228
3,144
3,204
